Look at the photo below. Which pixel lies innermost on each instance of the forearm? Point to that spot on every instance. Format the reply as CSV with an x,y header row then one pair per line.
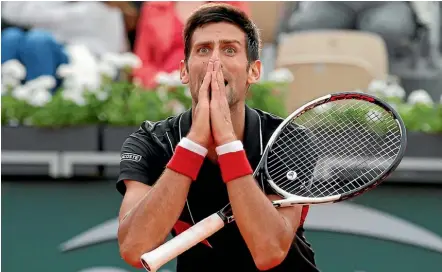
x,y
147,225
266,232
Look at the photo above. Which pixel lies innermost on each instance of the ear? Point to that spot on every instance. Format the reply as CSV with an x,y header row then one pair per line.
x,y
254,73
184,75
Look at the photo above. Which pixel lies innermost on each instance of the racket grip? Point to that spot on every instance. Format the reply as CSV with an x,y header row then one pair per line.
x,y
156,258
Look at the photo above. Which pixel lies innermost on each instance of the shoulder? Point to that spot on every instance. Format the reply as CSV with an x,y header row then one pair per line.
x,y
269,121
153,135
146,151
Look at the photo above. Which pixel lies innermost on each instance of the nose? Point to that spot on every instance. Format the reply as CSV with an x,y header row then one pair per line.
x,y
215,55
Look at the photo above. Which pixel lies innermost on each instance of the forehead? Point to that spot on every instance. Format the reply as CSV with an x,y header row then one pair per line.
x,y
218,31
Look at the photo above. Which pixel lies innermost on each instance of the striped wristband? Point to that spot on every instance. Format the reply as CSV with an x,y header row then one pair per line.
x,y
233,161
188,158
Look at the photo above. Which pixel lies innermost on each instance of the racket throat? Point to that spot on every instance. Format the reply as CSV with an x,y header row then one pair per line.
x,y
227,218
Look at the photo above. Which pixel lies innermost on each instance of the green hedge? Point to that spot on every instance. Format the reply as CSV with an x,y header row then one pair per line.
x,y
124,104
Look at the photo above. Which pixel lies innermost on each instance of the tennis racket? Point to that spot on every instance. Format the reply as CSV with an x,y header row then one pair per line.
x,y
333,148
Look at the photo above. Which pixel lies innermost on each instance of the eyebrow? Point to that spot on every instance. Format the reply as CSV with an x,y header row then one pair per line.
x,y
221,41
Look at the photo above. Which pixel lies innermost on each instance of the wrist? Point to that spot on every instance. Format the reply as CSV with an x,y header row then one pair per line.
x,y
233,161
196,139
228,138
230,147
193,146
187,158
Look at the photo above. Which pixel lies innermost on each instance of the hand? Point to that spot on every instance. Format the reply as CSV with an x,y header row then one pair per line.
x,y
200,131
221,121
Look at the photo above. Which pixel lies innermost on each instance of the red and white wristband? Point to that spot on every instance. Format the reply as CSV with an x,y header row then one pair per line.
x,y
233,161
188,158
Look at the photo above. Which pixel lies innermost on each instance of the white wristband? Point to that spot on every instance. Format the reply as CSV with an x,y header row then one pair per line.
x,y
234,146
192,146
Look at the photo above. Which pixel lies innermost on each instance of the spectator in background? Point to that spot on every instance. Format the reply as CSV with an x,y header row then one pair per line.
x,y
159,42
43,29
130,10
394,21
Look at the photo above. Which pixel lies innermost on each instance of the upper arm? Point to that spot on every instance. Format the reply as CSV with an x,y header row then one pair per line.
x,y
141,159
141,164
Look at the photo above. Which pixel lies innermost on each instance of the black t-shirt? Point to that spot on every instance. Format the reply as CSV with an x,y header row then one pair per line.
x,y
144,156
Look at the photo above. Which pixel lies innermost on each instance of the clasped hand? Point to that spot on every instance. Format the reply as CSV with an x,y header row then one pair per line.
x,y
212,123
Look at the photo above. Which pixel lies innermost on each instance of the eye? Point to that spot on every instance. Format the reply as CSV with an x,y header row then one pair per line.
x,y
230,50
203,50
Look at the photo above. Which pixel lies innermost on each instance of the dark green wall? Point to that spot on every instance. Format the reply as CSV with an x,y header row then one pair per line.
x,y
37,217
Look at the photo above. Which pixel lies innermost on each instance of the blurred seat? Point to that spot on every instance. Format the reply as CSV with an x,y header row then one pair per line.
x,y
267,16
330,61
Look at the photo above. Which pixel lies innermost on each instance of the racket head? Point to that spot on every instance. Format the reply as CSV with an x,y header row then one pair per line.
x,y
373,151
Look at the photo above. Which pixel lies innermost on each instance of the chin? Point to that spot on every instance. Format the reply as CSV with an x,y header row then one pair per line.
x,y
233,102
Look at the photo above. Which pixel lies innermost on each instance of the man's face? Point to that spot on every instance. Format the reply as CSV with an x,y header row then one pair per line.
x,y
227,43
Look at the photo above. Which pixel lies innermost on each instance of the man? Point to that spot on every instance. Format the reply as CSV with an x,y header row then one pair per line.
x,y
178,171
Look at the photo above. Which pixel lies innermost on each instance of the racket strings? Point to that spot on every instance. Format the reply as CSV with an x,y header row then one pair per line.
x,y
326,192
334,149
344,171
375,163
355,165
283,139
347,185
281,146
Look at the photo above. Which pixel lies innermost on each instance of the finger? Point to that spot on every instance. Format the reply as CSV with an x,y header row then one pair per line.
x,y
204,89
215,85
217,65
210,66
220,79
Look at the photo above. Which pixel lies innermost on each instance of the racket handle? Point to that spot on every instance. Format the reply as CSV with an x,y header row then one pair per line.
x,y
156,258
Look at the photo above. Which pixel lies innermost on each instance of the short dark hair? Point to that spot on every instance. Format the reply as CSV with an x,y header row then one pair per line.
x,y
220,12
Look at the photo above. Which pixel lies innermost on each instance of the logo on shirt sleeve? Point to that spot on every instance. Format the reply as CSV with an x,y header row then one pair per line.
x,y
130,157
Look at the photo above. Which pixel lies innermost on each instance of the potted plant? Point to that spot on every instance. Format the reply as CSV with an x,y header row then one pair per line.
x,y
422,117
34,120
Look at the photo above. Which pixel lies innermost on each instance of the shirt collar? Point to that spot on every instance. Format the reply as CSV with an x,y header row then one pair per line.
x,y
253,143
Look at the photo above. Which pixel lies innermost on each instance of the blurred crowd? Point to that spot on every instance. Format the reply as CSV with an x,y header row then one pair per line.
x,y
41,36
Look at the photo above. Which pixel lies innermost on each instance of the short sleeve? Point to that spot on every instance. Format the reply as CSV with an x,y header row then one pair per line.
x,y
141,159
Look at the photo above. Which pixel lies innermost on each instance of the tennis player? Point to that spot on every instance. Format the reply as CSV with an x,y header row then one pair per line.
x,y
178,171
